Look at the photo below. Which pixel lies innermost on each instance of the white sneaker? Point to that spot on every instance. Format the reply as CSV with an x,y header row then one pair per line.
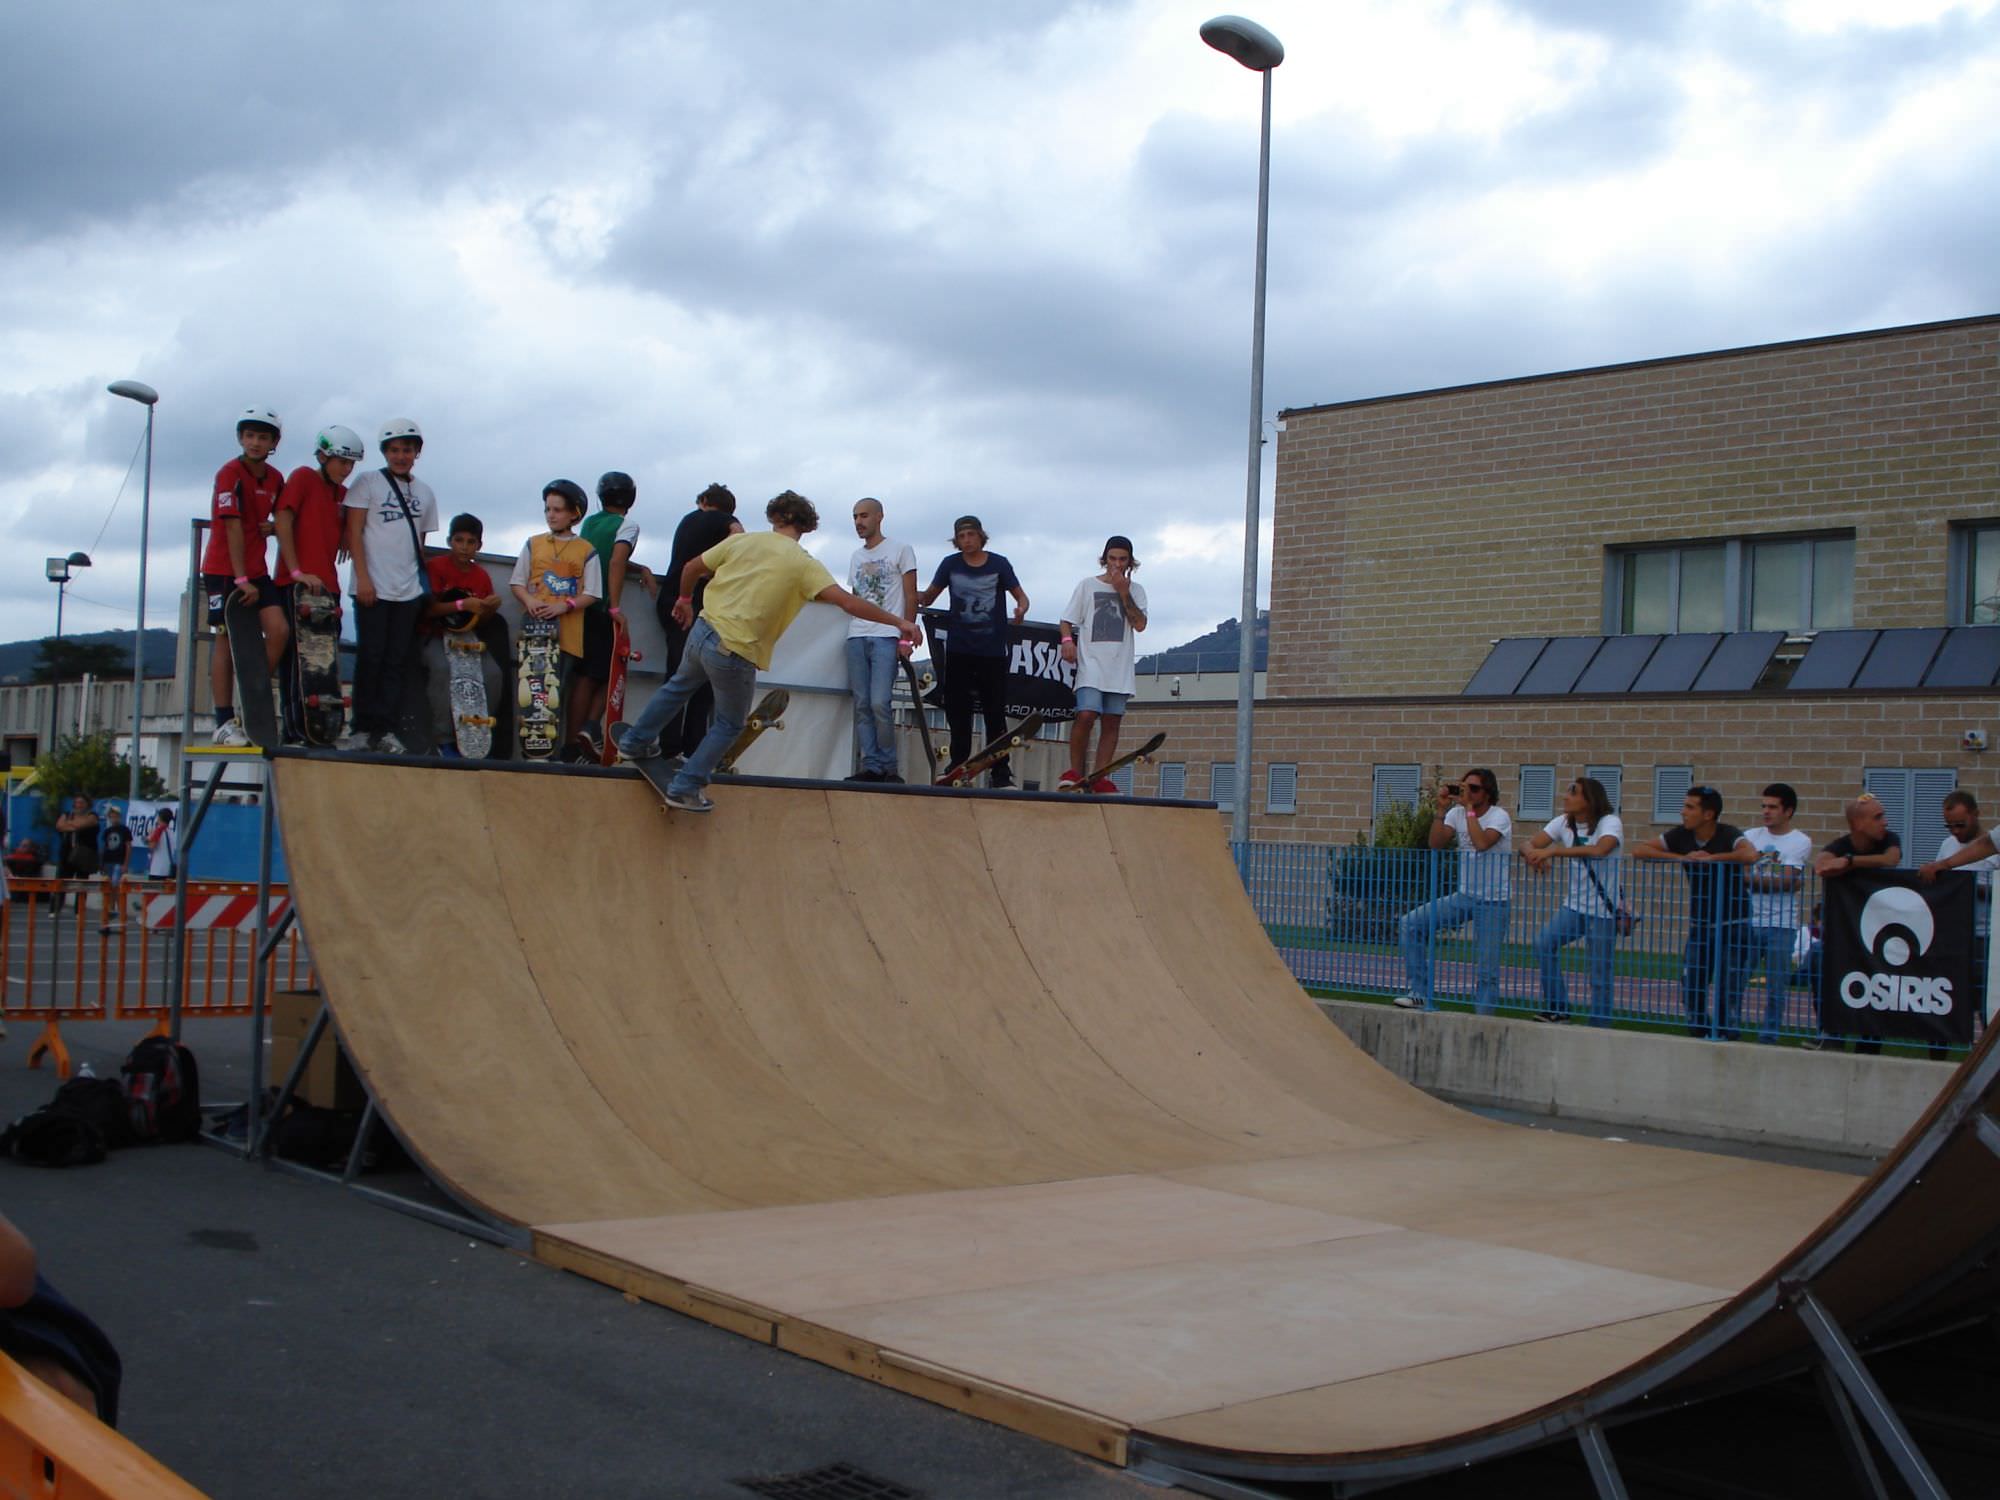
x,y
232,734
354,741
388,744
1411,1002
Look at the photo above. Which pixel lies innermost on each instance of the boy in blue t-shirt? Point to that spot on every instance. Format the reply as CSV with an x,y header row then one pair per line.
x,y
975,653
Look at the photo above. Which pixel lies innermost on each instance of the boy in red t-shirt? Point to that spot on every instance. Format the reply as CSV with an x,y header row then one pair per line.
x,y
309,520
458,585
245,493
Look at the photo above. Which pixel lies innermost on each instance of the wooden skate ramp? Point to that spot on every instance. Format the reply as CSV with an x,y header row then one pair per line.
x,y
1010,1103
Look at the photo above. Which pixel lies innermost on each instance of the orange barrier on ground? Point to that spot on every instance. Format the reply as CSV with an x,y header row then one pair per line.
x,y
52,1449
66,956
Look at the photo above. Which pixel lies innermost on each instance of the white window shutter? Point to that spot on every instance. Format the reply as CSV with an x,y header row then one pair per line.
x,y
1222,785
1671,784
1281,788
1173,779
1613,781
1538,794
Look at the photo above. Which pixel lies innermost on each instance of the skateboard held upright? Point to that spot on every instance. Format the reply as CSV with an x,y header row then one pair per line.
x,y
254,706
538,692
622,655
322,707
471,713
935,755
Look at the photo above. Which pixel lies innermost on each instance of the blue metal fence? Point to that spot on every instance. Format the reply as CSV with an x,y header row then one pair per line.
x,y
1368,921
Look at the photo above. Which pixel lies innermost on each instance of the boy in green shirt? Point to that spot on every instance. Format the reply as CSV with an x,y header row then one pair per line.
x,y
758,583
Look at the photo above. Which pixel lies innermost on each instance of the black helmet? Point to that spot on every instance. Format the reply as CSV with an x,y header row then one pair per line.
x,y
616,485
571,491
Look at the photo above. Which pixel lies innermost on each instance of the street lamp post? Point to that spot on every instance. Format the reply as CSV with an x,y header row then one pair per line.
x,y
1259,51
57,569
145,395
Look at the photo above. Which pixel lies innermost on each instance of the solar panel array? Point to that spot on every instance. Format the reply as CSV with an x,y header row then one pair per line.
x,y
1967,656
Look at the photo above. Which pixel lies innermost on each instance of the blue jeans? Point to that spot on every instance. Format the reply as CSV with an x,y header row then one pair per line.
x,y
1564,928
1420,929
871,678
1770,948
1698,971
705,662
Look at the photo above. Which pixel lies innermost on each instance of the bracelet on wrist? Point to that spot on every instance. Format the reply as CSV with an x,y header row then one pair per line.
x,y
242,582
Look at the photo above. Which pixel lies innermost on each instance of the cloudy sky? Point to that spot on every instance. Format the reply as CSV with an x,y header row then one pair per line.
x,y
993,258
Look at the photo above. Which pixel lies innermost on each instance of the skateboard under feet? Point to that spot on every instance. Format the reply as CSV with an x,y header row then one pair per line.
x,y
990,755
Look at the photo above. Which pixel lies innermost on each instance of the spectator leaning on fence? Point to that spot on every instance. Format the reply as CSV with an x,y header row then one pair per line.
x,y
1711,854
1467,815
1587,835
1774,880
1868,844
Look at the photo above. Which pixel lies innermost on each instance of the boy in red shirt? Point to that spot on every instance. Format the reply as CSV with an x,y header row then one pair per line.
x,y
311,526
246,492
459,585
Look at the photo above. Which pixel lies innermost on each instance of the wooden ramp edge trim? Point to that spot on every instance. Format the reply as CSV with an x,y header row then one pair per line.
x,y
1085,1432
51,1446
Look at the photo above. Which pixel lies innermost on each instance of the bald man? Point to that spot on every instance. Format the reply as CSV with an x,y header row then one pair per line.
x,y
1868,844
885,574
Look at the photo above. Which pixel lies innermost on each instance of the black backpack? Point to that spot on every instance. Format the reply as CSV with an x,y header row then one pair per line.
x,y
84,1120
162,1090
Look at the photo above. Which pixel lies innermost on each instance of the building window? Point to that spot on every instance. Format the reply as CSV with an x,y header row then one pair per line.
x,y
1613,780
1914,803
1671,784
1173,779
1396,784
1788,583
1281,789
1538,794
1975,574
1122,779
1222,785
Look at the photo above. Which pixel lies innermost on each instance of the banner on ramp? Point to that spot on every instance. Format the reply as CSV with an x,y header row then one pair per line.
x,y
1898,959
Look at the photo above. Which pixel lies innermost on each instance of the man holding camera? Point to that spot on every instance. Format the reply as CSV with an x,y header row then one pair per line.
x,y
1467,815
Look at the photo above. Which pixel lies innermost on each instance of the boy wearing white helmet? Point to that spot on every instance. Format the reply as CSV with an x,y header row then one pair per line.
x,y
389,512
310,523
244,494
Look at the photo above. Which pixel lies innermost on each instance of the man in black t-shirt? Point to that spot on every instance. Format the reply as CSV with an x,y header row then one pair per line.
x,y
114,848
712,520
1712,855
975,638
1868,844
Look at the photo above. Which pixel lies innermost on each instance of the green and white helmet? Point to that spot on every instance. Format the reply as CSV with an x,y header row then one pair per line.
x,y
339,442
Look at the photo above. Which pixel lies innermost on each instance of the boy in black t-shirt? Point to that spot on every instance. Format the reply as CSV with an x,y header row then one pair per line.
x,y
712,520
975,645
1711,854
114,849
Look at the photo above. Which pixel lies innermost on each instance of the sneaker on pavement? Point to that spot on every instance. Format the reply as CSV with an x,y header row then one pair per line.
x,y
1410,1002
1104,786
690,801
1069,779
230,733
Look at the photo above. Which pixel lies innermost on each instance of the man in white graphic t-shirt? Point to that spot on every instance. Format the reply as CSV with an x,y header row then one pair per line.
x,y
884,573
1098,625
1773,881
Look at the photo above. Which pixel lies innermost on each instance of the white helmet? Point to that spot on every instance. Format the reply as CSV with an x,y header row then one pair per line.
x,y
339,442
263,416
400,427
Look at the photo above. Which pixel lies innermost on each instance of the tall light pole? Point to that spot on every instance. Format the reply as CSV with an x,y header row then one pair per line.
x,y
57,569
1260,52
133,390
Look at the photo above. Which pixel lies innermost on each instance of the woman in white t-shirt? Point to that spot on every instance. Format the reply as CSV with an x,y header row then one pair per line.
x,y
1588,836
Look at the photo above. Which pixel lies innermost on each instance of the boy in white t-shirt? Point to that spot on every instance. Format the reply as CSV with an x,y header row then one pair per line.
x,y
1099,626
1587,837
1773,881
884,573
389,512
1468,816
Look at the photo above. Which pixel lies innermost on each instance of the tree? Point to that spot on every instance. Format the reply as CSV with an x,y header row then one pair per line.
x,y
70,660
86,765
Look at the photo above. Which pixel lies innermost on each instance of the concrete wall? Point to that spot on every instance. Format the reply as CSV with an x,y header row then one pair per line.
x,y
1779,1096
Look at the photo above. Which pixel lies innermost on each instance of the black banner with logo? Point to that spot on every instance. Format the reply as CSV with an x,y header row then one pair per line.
x,y
1898,957
1038,679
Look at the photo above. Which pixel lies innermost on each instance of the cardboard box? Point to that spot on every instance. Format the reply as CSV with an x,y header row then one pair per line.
x,y
329,1081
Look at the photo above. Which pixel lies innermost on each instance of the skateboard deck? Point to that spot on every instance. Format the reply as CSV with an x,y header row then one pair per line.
x,y
471,714
934,753
768,714
622,655
254,707
538,690
1145,752
322,708
990,755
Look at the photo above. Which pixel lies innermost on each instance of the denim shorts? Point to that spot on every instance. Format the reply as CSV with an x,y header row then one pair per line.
x,y
1090,701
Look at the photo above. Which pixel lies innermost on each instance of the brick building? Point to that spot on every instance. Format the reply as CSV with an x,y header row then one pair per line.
x,y
1800,496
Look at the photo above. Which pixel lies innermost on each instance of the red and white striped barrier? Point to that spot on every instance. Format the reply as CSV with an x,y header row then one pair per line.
x,y
237,910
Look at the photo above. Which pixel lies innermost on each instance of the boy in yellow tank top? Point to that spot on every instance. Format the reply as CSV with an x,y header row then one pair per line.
x,y
557,576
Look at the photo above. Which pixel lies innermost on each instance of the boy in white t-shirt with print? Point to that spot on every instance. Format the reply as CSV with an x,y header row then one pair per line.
x,y
1099,627
389,513
1587,837
1468,816
1773,880
884,573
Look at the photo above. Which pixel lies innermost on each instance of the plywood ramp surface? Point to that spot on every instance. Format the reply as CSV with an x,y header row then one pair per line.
x,y
1007,1103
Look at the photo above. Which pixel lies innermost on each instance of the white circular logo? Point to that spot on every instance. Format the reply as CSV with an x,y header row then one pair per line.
x,y
1897,906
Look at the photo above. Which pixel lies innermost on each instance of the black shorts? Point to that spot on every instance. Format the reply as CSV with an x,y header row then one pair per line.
x,y
597,645
218,588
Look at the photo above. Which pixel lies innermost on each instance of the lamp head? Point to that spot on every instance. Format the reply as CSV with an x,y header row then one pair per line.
x,y
78,559
1246,41
134,390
